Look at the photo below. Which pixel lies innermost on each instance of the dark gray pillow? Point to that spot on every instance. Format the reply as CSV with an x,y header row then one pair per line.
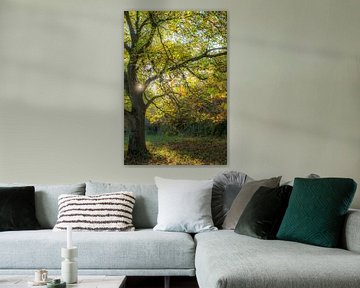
x,y
263,214
17,209
225,189
243,198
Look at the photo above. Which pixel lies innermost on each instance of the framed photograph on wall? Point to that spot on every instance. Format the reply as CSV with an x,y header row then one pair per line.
x,y
175,87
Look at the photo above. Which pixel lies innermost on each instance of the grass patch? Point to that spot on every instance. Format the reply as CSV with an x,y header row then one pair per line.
x,y
175,150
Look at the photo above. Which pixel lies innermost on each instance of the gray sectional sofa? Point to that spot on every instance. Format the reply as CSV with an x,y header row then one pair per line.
x,y
219,259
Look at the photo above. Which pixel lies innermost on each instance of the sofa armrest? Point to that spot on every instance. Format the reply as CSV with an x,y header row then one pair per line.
x,y
351,234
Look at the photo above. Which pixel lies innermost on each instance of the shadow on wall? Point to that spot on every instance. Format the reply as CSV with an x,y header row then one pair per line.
x,y
37,142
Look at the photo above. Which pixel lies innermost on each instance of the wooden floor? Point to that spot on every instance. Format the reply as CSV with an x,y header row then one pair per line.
x,y
158,282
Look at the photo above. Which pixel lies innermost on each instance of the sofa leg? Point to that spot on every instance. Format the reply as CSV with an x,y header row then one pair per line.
x,y
167,282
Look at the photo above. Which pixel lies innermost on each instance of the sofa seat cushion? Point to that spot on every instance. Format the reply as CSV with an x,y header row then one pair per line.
x,y
225,259
142,249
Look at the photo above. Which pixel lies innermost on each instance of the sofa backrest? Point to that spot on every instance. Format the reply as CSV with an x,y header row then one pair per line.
x,y
146,203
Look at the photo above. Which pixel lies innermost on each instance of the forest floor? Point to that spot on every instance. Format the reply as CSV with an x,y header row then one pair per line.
x,y
176,150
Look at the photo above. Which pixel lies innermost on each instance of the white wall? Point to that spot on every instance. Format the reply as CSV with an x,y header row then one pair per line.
x,y
294,89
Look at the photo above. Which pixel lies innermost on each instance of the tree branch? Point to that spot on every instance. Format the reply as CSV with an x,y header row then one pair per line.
x,y
157,107
137,21
142,25
151,101
168,53
131,28
205,54
151,34
126,83
127,47
196,75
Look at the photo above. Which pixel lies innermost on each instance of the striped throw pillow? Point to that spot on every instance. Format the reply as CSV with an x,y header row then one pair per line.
x,y
105,212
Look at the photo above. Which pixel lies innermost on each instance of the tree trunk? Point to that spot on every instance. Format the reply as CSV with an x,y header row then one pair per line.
x,y
137,151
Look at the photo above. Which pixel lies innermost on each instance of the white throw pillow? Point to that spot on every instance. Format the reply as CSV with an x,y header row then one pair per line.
x,y
104,212
184,205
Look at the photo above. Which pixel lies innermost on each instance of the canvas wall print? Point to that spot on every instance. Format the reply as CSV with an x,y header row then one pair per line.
x,y
175,87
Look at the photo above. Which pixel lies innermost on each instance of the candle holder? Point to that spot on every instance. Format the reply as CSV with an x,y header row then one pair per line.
x,y
69,271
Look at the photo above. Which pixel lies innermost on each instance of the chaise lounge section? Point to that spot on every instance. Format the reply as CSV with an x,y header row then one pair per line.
x,y
225,259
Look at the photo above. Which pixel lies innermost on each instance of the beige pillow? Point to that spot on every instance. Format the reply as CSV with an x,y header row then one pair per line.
x,y
243,198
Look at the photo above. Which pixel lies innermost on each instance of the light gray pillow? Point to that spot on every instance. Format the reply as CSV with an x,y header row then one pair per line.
x,y
243,198
184,205
46,200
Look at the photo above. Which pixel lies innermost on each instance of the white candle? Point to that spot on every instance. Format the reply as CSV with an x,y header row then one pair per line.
x,y
69,237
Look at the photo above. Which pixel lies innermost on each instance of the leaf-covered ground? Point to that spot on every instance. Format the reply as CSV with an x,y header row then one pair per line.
x,y
184,151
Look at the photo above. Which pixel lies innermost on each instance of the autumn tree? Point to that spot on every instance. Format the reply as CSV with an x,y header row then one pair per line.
x,y
175,61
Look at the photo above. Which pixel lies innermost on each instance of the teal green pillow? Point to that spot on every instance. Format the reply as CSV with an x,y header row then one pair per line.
x,y
316,211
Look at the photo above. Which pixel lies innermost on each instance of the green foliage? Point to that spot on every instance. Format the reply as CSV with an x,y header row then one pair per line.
x,y
181,65
186,129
